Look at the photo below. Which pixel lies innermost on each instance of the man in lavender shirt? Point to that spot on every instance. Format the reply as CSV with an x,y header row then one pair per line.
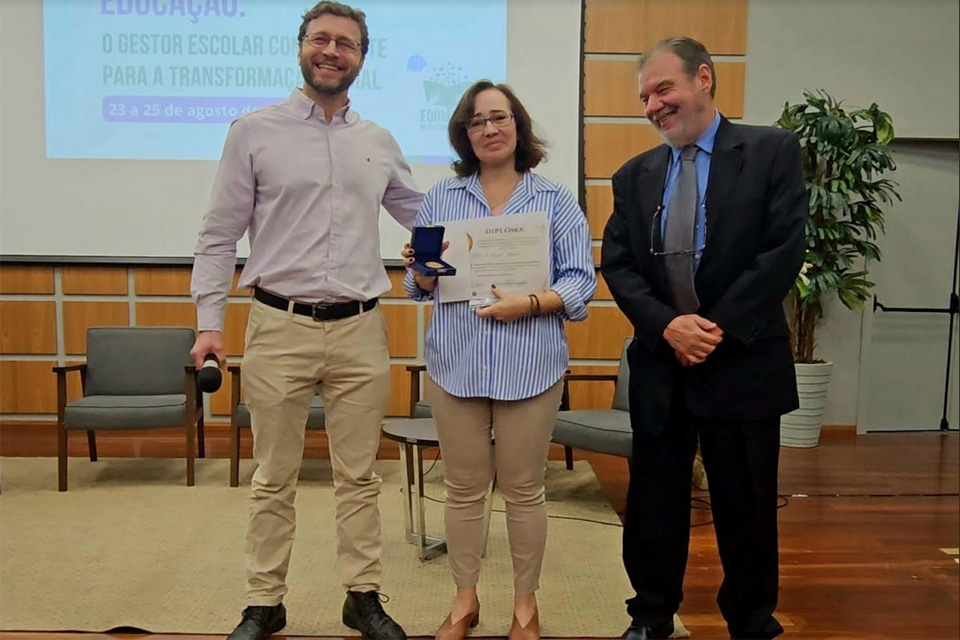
x,y
305,179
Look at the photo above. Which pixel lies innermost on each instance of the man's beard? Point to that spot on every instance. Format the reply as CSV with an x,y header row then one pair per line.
x,y
327,90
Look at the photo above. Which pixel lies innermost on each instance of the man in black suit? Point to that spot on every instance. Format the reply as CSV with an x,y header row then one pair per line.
x,y
705,241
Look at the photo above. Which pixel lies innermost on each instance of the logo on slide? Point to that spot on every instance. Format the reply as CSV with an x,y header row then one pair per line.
x,y
441,92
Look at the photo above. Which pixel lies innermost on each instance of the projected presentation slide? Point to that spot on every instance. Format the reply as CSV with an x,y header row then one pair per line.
x,y
162,79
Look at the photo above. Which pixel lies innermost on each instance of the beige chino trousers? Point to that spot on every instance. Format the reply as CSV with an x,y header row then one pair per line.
x,y
286,356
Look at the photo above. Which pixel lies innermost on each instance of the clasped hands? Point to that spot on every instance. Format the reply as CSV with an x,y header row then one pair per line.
x,y
507,308
693,338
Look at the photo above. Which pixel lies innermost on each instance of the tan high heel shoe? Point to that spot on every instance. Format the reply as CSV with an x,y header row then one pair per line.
x,y
529,632
450,631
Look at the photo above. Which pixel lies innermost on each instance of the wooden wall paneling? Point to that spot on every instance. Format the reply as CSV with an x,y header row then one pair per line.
x,y
28,386
166,314
175,281
610,88
603,291
399,391
615,26
731,88
608,145
600,336
28,327
599,208
79,316
15,278
162,281
235,288
94,280
592,394
220,401
396,283
235,327
74,385
427,314
401,321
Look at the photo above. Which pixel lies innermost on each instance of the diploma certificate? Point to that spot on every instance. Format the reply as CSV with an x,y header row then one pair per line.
x,y
511,251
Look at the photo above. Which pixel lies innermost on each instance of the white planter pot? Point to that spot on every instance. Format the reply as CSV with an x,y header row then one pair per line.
x,y
801,428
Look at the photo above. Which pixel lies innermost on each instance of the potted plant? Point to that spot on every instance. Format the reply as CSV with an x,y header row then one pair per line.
x,y
843,156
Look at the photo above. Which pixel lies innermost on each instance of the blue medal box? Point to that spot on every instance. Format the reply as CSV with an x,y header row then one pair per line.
x,y
427,243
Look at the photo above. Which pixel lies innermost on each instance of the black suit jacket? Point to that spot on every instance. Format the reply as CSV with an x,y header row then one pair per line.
x,y
756,210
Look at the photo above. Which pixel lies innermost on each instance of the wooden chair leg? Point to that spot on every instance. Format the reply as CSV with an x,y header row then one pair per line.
x,y
234,426
92,444
191,455
234,454
568,456
191,424
62,456
62,430
191,449
201,448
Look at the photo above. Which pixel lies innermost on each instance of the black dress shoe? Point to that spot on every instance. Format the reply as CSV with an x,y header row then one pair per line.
x,y
767,630
648,632
362,611
259,622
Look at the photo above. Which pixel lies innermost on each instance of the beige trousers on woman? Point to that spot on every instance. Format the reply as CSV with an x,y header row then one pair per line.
x,y
523,429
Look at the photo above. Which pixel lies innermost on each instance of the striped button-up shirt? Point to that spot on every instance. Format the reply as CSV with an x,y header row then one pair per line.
x,y
309,193
469,356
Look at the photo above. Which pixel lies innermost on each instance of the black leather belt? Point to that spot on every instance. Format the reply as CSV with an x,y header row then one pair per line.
x,y
320,312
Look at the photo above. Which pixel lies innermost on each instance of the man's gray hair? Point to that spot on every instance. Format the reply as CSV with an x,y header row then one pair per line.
x,y
690,51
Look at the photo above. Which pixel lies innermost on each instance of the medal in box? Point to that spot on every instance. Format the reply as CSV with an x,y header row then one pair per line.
x,y
427,244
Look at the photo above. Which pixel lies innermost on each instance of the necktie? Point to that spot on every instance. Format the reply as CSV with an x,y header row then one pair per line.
x,y
679,234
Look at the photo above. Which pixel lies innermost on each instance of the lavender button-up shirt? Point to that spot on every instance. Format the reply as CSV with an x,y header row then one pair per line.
x,y
309,193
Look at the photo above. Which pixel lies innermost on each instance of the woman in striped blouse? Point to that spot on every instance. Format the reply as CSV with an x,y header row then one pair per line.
x,y
500,369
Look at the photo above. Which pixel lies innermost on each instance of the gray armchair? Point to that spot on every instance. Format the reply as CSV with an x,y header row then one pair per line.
x,y
134,378
240,419
601,430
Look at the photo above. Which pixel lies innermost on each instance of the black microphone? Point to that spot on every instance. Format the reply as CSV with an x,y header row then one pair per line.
x,y
209,377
